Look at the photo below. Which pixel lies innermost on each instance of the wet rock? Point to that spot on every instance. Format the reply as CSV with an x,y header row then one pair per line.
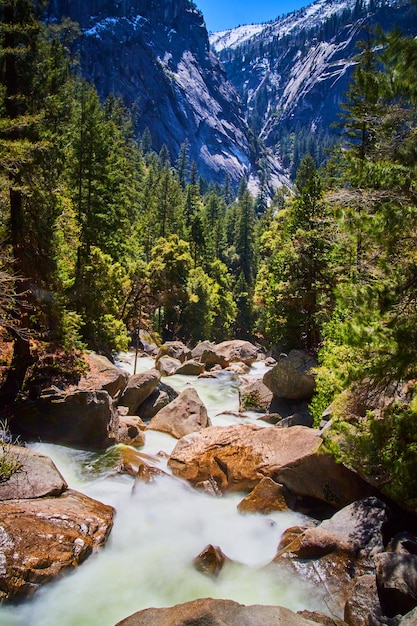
x,y
167,365
190,368
37,477
175,349
363,607
138,389
103,375
184,415
131,430
396,578
321,618
355,530
238,457
210,561
64,531
139,464
216,613
266,497
79,419
237,350
338,551
297,419
254,396
291,377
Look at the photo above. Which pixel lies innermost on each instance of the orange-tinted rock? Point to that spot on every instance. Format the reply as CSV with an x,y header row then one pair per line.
x,y
266,497
238,457
131,430
42,538
210,561
216,613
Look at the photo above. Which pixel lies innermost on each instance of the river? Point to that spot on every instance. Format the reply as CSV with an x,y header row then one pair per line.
x,y
159,529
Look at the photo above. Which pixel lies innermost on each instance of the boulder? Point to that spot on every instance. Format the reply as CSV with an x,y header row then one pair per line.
x,y
210,561
79,419
396,579
163,395
139,464
266,497
291,377
139,387
103,375
216,613
64,531
237,457
254,395
363,607
190,368
410,619
238,368
37,477
176,350
238,350
210,357
200,348
337,551
356,530
131,430
167,365
184,415
320,618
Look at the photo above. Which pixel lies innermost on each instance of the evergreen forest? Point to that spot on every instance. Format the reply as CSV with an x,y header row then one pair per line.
x,y
102,237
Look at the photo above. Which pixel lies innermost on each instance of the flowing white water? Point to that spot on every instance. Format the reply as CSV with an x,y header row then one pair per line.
x,y
159,529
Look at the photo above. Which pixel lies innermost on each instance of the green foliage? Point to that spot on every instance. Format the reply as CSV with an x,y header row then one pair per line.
x,y
383,447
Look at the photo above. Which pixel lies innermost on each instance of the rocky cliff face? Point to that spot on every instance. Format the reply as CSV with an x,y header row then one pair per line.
x,y
156,55
293,73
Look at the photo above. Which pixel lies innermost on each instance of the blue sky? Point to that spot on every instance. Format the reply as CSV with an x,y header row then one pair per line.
x,y
223,14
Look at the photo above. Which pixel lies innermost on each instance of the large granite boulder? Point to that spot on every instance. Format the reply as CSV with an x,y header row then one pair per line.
x,y
80,419
291,377
37,476
176,350
254,395
216,613
184,415
363,607
139,387
237,350
355,530
237,457
198,350
41,539
337,552
103,375
190,368
167,365
160,397
396,578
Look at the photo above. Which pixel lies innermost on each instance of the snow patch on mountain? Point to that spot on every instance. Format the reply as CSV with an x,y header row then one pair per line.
x,y
234,37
